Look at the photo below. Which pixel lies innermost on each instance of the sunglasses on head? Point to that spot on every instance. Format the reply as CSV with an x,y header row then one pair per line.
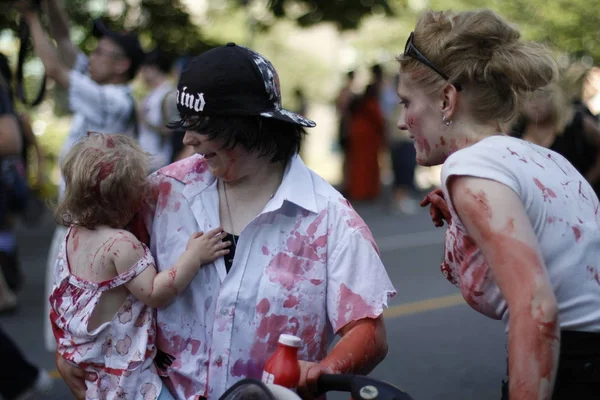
x,y
411,51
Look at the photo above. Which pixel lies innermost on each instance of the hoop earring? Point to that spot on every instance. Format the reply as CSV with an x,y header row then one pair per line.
x,y
447,122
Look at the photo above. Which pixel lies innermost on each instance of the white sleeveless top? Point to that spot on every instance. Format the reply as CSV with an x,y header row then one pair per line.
x,y
121,351
564,212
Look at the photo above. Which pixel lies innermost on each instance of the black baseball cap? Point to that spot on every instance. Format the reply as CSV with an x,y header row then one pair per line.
x,y
233,80
128,41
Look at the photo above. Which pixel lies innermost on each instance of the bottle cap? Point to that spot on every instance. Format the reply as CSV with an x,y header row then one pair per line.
x,y
290,340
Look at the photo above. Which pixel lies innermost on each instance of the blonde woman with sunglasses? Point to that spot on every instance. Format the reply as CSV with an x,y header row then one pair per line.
x,y
523,237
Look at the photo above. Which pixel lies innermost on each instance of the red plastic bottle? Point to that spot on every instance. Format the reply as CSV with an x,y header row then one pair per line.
x,y
283,368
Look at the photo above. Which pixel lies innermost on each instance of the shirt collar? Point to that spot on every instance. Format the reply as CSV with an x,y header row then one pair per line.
x,y
296,186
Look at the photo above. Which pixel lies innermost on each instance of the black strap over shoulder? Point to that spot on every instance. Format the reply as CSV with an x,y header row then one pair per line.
x,y
24,48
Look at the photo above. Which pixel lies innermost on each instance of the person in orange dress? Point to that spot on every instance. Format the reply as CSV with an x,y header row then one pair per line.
x,y
365,140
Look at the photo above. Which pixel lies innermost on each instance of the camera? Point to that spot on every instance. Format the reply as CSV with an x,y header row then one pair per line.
x,y
24,48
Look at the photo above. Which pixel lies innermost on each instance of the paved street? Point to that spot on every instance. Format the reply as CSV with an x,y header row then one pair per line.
x,y
439,347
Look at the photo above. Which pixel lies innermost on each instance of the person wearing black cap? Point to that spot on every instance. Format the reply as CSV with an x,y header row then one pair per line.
x,y
98,88
301,261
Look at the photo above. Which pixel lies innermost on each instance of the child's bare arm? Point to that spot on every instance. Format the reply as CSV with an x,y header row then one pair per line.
x,y
159,289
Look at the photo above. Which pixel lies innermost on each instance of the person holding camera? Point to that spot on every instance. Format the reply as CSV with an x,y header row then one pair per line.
x,y
98,88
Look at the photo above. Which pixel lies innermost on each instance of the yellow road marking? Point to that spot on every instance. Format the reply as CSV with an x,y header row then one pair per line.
x,y
401,310
424,305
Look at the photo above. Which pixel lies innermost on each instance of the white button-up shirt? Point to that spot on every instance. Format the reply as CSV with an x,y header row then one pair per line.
x,y
95,107
98,108
307,266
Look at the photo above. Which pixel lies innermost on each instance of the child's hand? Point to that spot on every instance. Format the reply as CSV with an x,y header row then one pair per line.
x,y
207,247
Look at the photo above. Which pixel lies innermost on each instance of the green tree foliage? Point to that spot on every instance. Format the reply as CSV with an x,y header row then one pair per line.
x,y
345,14
163,24
166,24
568,26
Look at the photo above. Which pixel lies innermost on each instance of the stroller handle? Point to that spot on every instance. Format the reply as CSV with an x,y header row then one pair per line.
x,y
360,387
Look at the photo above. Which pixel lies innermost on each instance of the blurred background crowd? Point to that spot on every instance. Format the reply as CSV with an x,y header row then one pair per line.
x,y
333,56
